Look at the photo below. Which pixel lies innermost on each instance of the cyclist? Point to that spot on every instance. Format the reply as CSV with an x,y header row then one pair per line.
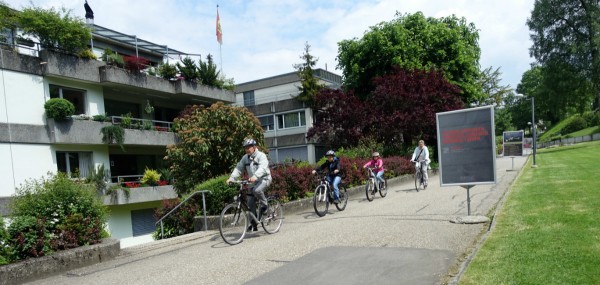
x,y
334,166
377,164
256,165
421,154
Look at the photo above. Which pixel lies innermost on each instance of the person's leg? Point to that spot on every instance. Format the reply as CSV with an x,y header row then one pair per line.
x,y
259,194
336,190
380,176
424,171
252,207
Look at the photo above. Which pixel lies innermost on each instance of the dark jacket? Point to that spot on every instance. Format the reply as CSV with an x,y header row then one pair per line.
x,y
331,166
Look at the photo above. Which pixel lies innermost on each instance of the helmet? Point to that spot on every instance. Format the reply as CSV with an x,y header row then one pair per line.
x,y
330,153
249,142
375,154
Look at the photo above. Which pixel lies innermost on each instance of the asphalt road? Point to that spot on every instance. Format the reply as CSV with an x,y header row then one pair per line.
x,y
404,238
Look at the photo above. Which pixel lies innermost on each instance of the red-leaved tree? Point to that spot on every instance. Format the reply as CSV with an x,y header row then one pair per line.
x,y
340,120
406,103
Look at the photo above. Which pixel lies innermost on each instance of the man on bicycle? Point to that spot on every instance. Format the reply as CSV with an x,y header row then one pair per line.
x,y
334,166
377,164
421,154
256,165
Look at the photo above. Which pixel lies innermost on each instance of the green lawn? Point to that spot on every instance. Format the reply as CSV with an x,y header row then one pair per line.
x,y
585,132
548,231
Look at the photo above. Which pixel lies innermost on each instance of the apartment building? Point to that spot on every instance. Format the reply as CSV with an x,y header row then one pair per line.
x,y
31,145
284,119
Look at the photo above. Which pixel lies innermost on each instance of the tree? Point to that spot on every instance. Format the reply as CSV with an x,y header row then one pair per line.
x,y
309,83
210,142
58,30
208,72
405,103
411,41
340,119
8,19
566,38
188,69
493,93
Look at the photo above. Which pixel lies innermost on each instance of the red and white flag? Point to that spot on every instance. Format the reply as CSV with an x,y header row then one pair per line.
x,y
219,32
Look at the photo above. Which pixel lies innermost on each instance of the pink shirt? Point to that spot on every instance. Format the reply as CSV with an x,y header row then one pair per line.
x,y
377,164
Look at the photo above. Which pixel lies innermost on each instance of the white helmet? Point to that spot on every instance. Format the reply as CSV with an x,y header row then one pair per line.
x,y
249,142
330,153
375,154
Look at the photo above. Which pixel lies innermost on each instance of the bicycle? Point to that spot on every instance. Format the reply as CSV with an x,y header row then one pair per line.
x,y
233,222
324,195
371,187
419,174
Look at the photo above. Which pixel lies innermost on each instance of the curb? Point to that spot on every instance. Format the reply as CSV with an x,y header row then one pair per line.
x,y
36,268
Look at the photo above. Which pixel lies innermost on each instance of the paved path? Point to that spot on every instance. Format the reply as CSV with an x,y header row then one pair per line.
x,y
405,238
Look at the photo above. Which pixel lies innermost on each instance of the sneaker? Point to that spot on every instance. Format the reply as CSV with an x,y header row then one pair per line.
x,y
253,227
263,212
336,201
425,186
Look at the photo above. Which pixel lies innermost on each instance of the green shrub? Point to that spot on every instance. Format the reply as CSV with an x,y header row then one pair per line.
x,y
101,118
96,177
167,71
5,248
151,177
59,109
87,54
113,134
592,118
30,237
166,175
221,194
576,124
112,58
57,200
78,230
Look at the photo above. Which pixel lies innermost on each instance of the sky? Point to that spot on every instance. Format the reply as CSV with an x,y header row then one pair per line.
x,y
264,38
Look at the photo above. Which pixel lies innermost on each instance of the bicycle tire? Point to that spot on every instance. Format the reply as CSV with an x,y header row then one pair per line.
x,y
274,218
321,200
417,179
383,188
343,198
233,223
369,189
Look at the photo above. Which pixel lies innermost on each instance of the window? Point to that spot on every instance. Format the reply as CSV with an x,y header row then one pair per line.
x,y
75,164
267,122
77,97
291,120
249,98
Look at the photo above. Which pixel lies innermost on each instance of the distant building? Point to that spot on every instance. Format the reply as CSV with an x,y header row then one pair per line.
x,y
31,145
284,119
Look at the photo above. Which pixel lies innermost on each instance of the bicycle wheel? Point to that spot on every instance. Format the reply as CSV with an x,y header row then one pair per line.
x,y
343,198
321,203
233,223
369,189
274,218
383,188
417,179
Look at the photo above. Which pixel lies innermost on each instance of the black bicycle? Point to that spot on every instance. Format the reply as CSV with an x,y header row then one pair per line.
x,y
325,195
419,177
372,187
233,222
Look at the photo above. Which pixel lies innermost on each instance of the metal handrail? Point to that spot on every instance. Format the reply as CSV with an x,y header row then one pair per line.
x,y
176,207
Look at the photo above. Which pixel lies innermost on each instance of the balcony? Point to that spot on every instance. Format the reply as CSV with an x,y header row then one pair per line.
x,y
60,65
140,195
116,75
88,133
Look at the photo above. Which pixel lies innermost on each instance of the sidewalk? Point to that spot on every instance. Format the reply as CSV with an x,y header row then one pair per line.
x,y
404,238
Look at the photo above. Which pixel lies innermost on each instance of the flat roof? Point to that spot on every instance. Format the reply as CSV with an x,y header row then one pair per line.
x,y
133,40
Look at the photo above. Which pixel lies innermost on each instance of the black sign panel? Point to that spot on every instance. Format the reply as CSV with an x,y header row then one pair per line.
x,y
513,143
466,146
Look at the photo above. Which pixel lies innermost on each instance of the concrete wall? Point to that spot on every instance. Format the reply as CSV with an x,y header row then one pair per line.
x,y
22,99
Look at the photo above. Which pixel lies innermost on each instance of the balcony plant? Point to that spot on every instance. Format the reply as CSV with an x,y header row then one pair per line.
x,y
112,58
135,64
59,109
167,71
113,134
151,177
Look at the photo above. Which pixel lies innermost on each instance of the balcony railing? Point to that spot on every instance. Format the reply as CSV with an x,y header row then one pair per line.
x,y
142,124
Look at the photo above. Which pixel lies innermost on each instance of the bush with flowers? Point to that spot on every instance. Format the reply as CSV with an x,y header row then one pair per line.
x,y
54,213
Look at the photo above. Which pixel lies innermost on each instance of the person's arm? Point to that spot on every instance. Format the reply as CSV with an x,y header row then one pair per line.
x,y
379,164
414,154
367,164
237,171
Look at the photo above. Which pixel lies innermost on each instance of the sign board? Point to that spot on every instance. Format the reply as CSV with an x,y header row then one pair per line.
x,y
512,143
466,146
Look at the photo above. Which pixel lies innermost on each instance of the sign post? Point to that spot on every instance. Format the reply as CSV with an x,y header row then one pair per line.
x,y
467,151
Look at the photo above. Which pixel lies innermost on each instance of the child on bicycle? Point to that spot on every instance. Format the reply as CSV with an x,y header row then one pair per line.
x,y
256,164
421,154
334,167
377,164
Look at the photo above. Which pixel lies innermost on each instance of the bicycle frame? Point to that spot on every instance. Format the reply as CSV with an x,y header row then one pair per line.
x,y
373,177
242,202
325,197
